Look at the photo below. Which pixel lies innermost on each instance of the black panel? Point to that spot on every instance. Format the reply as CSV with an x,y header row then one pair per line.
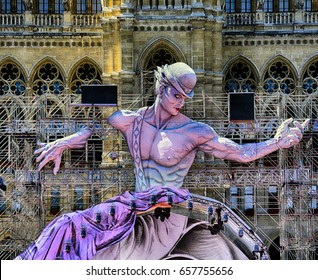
x,y
99,94
241,107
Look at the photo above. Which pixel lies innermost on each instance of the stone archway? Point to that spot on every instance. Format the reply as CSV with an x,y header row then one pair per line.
x,y
160,52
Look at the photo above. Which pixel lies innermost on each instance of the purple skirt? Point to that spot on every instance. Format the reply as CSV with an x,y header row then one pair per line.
x,y
81,235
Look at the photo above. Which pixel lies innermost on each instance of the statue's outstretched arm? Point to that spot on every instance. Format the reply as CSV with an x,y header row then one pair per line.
x,y
288,134
121,120
53,151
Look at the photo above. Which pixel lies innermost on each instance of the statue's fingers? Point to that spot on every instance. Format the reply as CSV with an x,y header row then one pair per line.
x,y
284,125
57,163
40,150
298,131
287,122
305,123
301,126
41,156
40,143
42,163
293,140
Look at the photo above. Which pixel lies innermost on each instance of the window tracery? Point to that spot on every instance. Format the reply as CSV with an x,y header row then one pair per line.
x,y
279,79
85,74
159,58
310,78
48,80
240,78
12,79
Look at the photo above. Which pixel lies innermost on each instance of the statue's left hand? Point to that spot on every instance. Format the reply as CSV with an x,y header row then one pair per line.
x,y
287,136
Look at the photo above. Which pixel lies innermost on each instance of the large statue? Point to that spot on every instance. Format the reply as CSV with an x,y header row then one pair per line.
x,y
163,143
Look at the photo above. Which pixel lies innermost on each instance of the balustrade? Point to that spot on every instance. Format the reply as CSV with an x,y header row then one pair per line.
x,y
86,20
279,18
11,19
162,4
47,19
311,17
240,19
231,19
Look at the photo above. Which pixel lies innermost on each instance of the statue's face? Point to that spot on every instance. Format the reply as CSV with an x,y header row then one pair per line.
x,y
172,101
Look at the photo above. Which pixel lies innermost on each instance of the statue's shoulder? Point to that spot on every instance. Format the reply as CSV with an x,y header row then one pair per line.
x,y
141,112
203,130
122,119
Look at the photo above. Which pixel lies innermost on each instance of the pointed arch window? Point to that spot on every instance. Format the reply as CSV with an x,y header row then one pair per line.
x,y
12,79
279,78
48,80
160,57
240,78
85,74
310,78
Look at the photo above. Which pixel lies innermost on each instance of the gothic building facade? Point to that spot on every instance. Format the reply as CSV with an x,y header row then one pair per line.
x,y
50,48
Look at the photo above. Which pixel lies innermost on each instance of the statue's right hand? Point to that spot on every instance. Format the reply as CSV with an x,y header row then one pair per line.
x,y
50,152
53,151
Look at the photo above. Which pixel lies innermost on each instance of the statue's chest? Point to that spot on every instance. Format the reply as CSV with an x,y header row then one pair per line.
x,y
165,147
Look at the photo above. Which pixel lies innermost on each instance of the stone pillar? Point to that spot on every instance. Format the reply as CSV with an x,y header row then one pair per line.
x,y
217,46
108,51
127,38
107,78
116,47
67,20
216,90
28,18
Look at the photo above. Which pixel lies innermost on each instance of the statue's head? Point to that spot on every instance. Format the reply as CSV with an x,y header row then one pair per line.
x,y
179,75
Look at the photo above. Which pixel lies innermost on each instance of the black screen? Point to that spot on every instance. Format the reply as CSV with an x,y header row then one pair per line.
x,y
99,94
241,106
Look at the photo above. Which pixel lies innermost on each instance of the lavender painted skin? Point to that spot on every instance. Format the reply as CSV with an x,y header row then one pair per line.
x,y
169,142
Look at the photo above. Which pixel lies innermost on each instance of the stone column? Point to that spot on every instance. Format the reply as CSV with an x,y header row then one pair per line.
x,y
28,18
217,71
107,78
108,51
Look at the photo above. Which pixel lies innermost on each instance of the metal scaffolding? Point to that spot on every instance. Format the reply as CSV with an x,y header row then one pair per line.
x,y
275,194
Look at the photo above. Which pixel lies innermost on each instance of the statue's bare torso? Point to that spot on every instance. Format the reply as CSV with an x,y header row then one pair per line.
x,y
168,152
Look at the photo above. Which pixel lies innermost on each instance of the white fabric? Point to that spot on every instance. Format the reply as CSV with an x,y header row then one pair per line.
x,y
174,238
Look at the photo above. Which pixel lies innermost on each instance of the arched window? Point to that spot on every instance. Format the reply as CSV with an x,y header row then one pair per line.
x,y
279,78
48,80
310,78
85,74
12,7
12,79
240,78
159,58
